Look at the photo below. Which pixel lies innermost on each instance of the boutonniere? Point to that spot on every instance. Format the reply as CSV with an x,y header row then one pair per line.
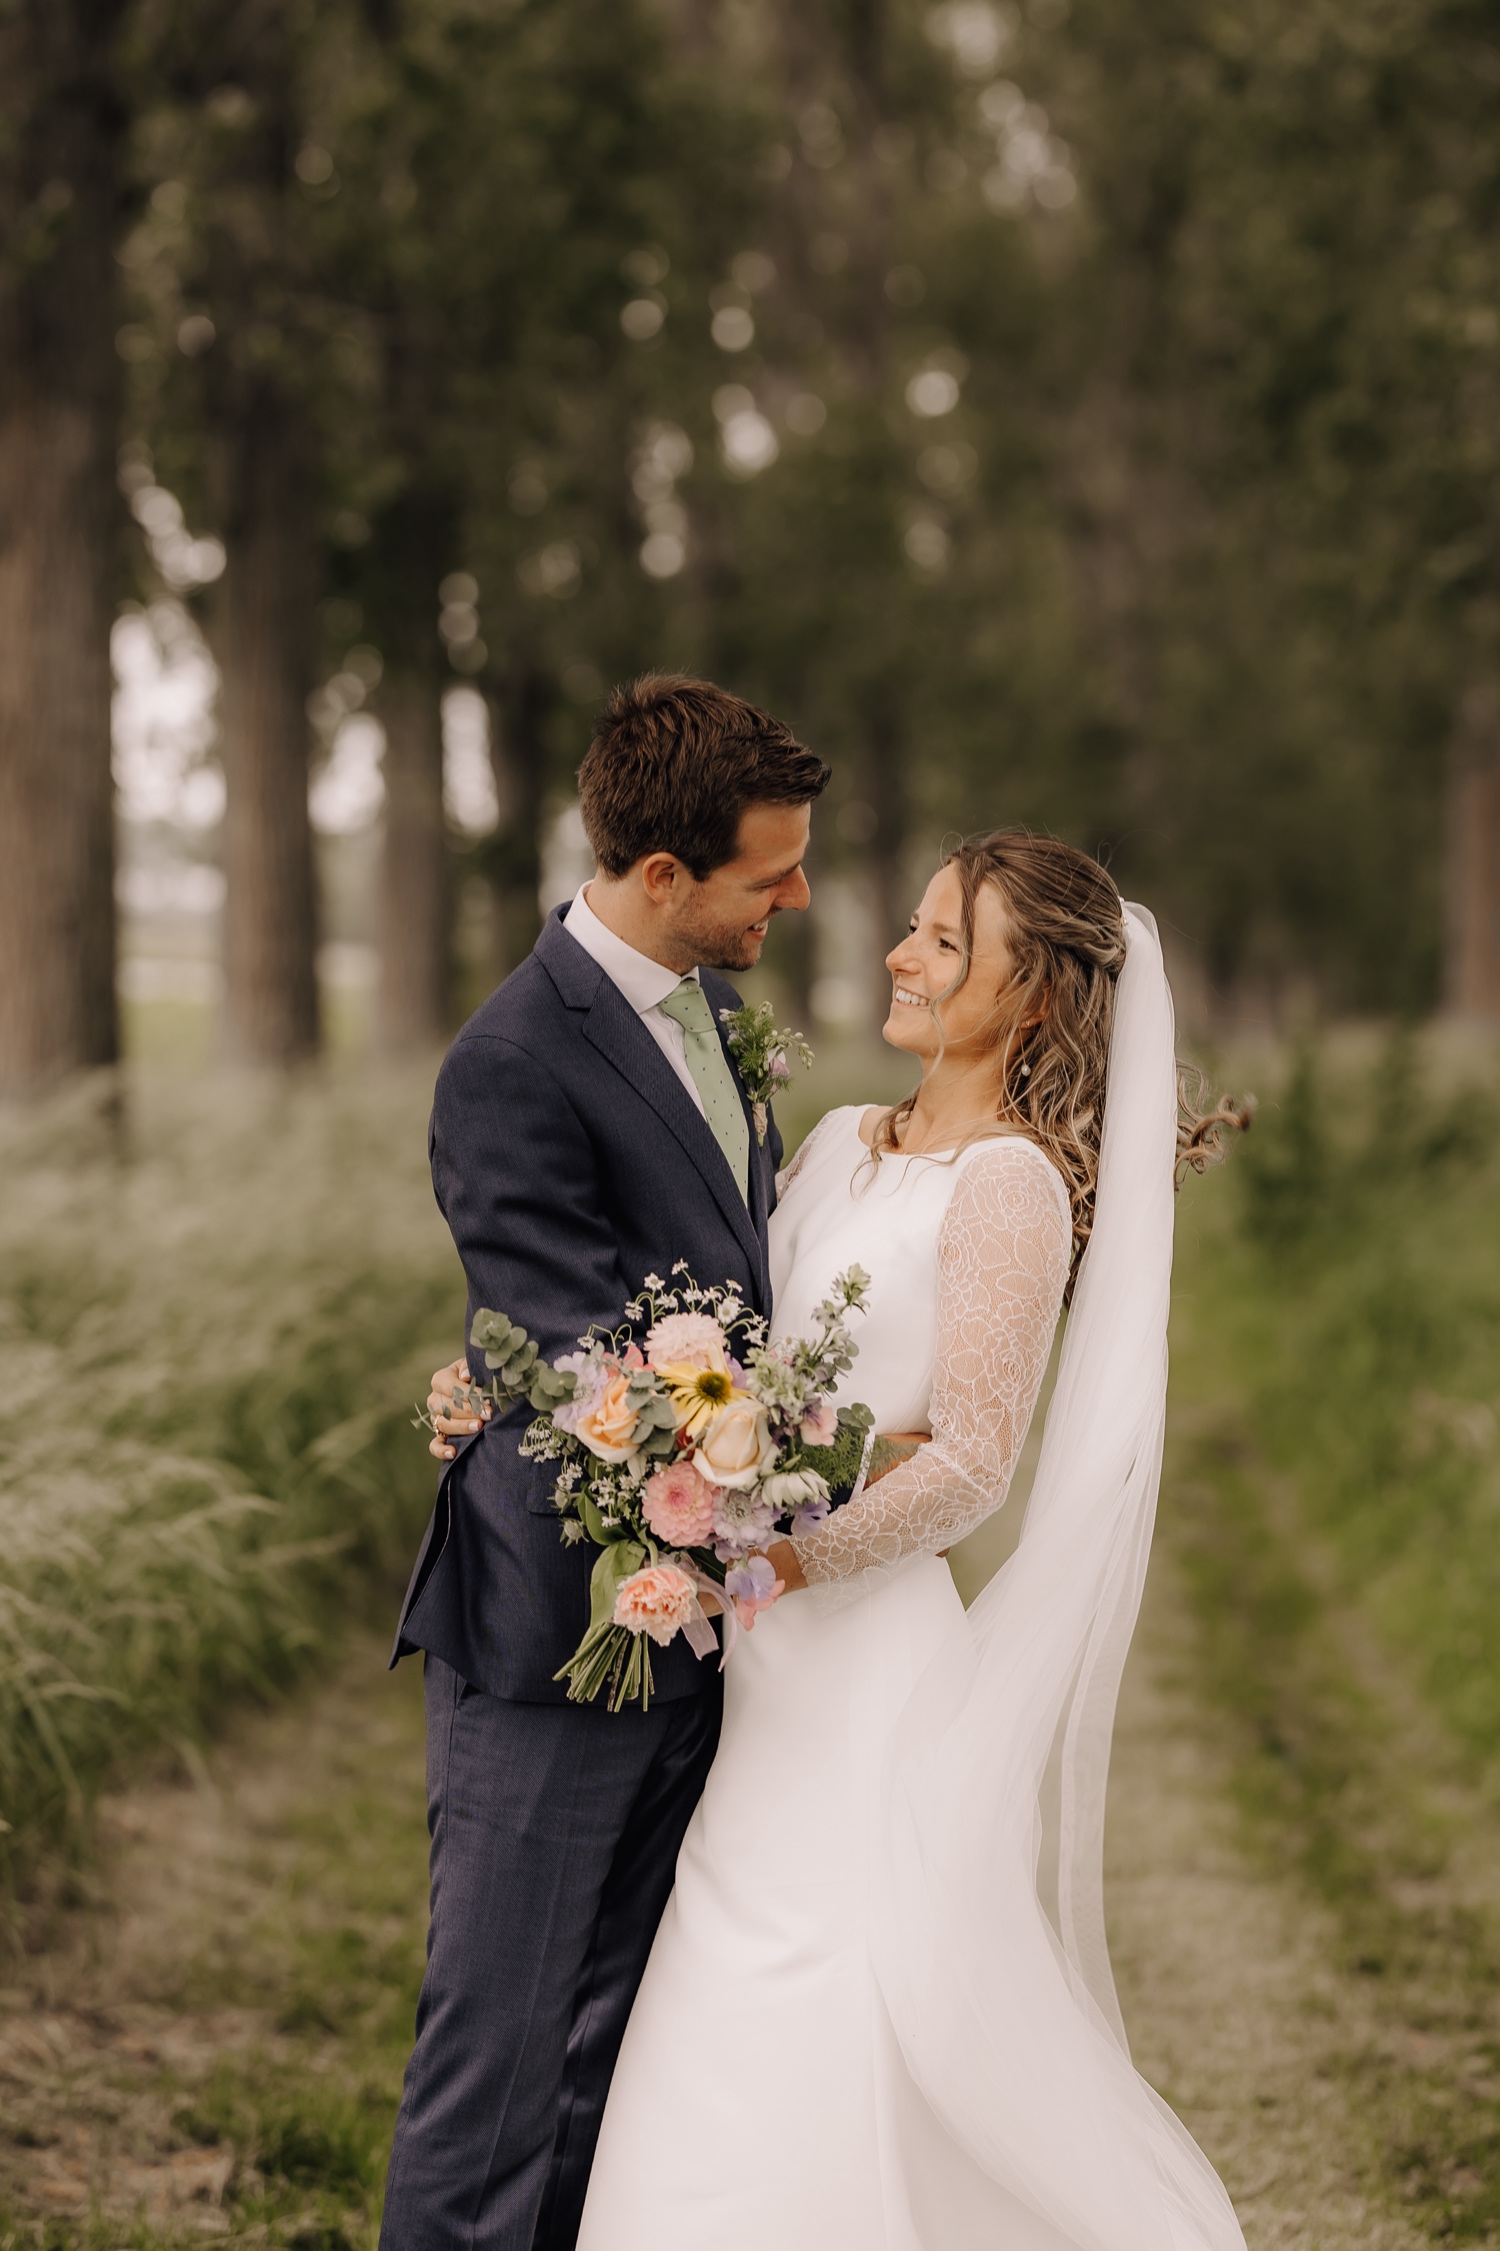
x,y
763,1055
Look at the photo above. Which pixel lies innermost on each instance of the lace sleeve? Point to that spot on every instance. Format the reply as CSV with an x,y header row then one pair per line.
x,y
1003,1253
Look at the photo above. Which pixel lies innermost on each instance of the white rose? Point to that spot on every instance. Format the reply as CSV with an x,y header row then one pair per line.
x,y
735,1448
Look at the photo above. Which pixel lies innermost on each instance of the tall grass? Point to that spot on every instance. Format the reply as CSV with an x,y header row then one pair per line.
x,y
1333,1495
210,1327
1352,1277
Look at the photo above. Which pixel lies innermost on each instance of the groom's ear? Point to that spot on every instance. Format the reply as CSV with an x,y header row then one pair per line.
x,y
662,877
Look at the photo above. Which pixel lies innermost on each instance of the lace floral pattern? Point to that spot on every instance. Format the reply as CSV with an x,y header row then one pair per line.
x,y
1002,1257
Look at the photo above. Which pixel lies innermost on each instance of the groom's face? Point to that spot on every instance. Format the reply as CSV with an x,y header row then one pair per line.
x,y
722,921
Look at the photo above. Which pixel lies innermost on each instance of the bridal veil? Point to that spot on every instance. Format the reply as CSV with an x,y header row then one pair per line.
x,y
988,1912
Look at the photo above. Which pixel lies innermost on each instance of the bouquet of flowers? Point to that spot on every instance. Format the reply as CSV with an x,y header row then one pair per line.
x,y
679,1456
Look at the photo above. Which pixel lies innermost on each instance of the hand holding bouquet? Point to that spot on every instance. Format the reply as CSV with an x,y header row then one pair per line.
x,y
680,1456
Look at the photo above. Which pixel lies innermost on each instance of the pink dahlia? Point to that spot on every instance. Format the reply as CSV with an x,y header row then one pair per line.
x,y
688,1340
658,1601
679,1506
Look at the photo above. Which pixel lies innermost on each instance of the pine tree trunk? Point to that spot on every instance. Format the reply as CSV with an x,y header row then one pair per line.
x,y
1473,873
414,875
60,134
264,645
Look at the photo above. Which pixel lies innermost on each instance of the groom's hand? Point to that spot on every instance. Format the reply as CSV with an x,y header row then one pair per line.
x,y
446,1423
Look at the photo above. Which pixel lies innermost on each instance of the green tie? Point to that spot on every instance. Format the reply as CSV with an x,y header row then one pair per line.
x,y
722,1107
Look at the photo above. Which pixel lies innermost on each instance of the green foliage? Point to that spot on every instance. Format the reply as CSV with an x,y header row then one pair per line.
x,y
1330,1496
292,2138
1364,1307
207,1341
839,1464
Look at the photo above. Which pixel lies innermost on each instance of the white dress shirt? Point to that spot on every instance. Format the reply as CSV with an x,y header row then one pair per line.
x,y
644,983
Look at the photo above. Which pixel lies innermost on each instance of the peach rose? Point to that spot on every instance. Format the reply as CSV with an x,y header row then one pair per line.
x,y
658,1601
607,1427
734,1448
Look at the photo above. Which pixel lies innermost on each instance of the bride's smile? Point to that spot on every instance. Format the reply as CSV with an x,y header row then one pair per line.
x,y
943,999
958,1006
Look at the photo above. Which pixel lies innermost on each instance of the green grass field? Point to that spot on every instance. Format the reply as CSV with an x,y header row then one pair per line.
x,y
1332,1498
212,1324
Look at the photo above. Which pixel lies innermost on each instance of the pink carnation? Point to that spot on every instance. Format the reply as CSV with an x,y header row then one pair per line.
x,y
679,1506
658,1601
688,1340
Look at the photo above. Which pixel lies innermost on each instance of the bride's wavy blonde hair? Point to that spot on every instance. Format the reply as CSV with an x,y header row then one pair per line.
x,y
1049,1028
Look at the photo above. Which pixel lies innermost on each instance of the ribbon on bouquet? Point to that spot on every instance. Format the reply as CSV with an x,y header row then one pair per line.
x,y
698,1631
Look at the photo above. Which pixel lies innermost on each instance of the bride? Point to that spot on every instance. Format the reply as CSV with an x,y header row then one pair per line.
x,y
879,2014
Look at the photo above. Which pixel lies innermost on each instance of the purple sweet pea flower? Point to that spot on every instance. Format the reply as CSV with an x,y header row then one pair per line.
x,y
753,1586
751,1581
820,1423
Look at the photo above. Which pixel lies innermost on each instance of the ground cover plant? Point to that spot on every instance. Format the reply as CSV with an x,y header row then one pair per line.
x,y
214,1314
217,2046
1333,1499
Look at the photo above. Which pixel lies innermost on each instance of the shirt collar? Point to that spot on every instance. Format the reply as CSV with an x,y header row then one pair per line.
x,y
645,983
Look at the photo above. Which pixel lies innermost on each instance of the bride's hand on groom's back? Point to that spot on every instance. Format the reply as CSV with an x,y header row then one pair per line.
x,y
890,1450
447,1425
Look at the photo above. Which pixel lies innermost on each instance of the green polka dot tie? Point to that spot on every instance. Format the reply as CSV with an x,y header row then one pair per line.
x,y
713,1078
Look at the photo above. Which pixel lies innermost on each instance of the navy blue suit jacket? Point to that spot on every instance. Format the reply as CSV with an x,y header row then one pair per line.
x,y
570,1162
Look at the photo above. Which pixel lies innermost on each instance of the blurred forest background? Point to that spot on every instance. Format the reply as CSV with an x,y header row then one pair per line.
x,y
1078,413
1086,417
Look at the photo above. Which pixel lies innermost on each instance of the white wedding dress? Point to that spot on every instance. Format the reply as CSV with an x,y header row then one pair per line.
x,y
815,2061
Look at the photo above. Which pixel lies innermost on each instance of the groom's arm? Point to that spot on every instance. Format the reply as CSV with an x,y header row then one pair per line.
x,y
517,1179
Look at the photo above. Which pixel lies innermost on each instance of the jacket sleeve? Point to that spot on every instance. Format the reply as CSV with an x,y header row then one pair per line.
x,y
517,1179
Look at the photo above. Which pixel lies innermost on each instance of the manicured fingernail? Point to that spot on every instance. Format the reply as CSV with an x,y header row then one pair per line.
x,y
447,1453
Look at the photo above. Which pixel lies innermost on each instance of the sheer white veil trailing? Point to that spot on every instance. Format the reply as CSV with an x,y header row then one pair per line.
x,y
989,1910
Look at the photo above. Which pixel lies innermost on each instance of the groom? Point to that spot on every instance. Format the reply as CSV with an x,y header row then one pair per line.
x,y
588,1129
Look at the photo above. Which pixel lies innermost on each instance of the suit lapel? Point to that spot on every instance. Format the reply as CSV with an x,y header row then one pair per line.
x,y
613,1027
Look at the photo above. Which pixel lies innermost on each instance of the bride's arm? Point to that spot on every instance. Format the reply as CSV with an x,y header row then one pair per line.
x,y
1003,1254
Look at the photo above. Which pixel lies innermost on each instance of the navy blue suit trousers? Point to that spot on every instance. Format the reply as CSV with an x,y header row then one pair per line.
x,y
554,1839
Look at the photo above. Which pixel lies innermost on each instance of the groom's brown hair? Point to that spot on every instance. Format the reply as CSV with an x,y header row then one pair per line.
x,y
673,764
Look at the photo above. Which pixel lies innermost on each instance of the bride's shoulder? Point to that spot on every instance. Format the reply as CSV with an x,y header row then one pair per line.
x,y
831,1126
1015,1157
